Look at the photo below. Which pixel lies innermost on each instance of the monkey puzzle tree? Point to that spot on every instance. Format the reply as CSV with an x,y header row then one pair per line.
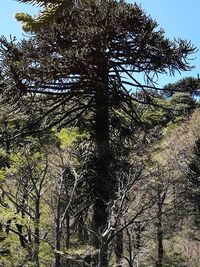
x,y
188,84
86,60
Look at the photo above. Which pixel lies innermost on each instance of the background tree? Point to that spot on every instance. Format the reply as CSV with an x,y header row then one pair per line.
x,y
183,104
188,84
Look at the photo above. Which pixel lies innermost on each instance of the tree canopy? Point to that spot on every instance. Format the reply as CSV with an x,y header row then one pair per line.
x,y
189,84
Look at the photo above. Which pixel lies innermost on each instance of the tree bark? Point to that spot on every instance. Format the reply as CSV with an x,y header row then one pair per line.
x,y
37,233
67,229
58,236
160,250
102,185
119,249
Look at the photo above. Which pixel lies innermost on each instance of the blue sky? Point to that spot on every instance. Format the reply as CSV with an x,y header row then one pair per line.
x,y
179,19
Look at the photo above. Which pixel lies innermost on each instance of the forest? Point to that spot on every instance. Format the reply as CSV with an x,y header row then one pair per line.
x,y
99,166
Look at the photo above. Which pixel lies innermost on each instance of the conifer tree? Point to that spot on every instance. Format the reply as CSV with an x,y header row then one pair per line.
x,y
86,60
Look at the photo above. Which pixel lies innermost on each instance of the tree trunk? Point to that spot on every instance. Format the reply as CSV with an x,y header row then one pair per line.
x,y
22,239
37,233
102,185
67,229
160,249
58,236
103,256
119,249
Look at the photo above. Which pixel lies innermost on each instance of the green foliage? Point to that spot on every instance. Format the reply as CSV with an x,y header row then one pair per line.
x,y
189,85
46,254
2,173
154,117
69,136
184,99
4,163
52,9
17,254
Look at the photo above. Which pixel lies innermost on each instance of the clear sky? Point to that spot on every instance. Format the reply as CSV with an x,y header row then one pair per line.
x,y
179,19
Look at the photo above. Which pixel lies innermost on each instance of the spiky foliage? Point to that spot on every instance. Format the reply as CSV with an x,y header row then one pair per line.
x,y
122,34
51,10
81,63
66,59
188,84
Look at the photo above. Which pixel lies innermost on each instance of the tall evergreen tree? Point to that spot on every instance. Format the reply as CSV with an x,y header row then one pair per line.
x,y
87,59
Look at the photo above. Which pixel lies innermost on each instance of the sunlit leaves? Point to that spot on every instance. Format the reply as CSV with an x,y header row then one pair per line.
x,y
68,136
51,11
